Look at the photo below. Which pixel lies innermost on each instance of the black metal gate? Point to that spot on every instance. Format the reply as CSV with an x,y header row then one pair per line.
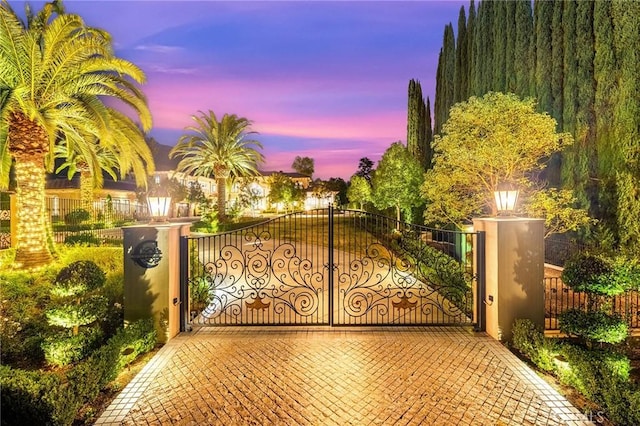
x,y
333,267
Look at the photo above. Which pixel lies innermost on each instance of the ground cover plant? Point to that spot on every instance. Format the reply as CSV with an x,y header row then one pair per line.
x,y
62,334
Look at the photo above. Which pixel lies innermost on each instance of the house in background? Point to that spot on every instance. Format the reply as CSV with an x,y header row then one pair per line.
x,y
63,195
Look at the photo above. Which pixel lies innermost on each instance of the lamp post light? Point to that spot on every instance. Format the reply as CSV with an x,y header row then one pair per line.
x,y
159,203
506,200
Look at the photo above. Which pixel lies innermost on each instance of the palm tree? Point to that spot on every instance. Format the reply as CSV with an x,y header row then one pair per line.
x,y
126,152
55,74
220,149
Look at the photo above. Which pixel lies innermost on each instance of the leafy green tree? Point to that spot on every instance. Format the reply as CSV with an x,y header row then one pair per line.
x,y
56,73
359,191
486,142
220,149
283,191
303,165
560,210
397,181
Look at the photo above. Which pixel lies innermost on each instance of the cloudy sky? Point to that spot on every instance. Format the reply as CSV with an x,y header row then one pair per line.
x,y
323,79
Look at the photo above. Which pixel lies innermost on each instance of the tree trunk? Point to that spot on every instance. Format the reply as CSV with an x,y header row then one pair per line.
x,y
86,189
222,195
398,213
32,247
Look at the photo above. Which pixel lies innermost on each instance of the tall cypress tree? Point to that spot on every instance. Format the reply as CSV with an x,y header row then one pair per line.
x,y
499,46
479,41
510,52
626,121
440,93
428,136
461,71
557,63
585,121
570,87
412,119
523,65
543,20
605,72
471,25
445,77
450,66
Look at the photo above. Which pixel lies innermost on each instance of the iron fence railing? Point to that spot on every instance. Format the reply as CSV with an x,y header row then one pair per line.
x,y
560,298
5,222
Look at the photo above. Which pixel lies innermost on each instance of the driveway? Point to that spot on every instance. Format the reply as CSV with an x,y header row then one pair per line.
x,y
338,376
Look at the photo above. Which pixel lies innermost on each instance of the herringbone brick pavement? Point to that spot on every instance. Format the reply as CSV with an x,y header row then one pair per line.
x,y
324,376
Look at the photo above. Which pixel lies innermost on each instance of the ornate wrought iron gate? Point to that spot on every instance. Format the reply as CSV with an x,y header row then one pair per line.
x,y
333,267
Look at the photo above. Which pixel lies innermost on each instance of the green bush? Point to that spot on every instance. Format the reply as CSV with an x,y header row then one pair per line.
x,y
529,340
78,278
600,375
34,397
596,326
76,217
437,269
39,397
84,238
62,349
598,275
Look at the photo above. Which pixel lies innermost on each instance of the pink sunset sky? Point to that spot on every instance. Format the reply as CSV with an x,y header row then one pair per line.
x,y
327,80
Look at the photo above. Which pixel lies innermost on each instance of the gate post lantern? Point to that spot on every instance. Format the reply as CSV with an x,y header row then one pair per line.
x,y
152,275
514,253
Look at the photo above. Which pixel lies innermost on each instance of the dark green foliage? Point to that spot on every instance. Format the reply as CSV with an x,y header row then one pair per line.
x,y
499,46
40,397
557,62
62,349
439,270
77,278
445,79
529,340
84,238
461,71
418,125
598,275
595,326
471,61
544,18
76,217
600,375
510,34
524,49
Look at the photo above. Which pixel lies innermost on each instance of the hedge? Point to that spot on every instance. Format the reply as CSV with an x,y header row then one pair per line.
x,y
599,374
42,397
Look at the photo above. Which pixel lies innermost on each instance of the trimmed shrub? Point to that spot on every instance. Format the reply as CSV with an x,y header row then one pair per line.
x,y
595,326
597,275
600,375
529,340
37,397
63,349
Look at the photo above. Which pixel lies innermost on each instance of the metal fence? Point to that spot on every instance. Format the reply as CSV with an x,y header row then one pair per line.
x,y
5,221
560,298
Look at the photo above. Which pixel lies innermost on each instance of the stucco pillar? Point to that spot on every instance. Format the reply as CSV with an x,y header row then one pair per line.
x,y
152,275
514,253
13,220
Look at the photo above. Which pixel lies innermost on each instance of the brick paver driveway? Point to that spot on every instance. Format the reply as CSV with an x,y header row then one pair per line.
x,y
338,376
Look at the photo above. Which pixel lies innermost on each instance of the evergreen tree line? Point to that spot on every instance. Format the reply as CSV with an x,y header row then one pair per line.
x,y
580,60
419,130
